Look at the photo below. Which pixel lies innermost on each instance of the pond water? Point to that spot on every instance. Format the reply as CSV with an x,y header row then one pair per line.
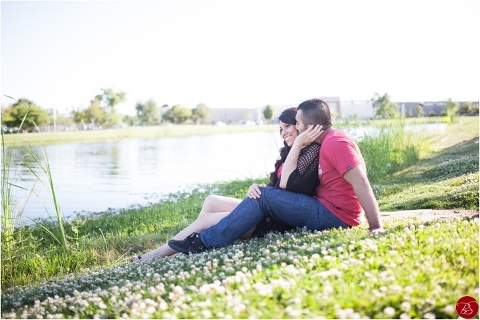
x,y
97,176
93,177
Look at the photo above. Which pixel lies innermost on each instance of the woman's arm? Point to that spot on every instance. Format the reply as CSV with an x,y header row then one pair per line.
x,y
304,179
291,163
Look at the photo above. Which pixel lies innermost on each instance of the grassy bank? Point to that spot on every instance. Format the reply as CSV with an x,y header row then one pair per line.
x,y
415,270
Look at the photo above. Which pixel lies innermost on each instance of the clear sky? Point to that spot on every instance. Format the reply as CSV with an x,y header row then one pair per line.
x,y
239,53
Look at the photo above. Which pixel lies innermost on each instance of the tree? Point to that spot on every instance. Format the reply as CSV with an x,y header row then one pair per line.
x,y
148,112
130,120
107,100
27,112
384,107
268,112
93,115
110,98
419,110
468,109
178,114
451,107
201,112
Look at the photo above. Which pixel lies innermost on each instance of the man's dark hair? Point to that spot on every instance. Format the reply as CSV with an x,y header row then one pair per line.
x,y
316,111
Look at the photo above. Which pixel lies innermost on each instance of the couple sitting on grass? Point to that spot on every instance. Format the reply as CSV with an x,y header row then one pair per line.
x,y
320,182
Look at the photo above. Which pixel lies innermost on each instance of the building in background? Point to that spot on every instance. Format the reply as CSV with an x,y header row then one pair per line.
x,y
340,109
359,109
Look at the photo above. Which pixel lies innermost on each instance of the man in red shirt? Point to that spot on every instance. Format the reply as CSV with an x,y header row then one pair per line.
x,y
343,195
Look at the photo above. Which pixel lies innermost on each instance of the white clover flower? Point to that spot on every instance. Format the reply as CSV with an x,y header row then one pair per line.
x,y
376,293
178,290
389,312
449,309
328,289
405,306
292,312
429,315
206,314
340,314
408,289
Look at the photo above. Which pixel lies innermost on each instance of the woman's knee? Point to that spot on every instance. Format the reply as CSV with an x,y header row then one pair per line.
x,y
267,193
209,203
216,203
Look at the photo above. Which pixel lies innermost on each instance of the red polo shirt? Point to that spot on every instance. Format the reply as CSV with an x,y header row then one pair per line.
x,y
338,154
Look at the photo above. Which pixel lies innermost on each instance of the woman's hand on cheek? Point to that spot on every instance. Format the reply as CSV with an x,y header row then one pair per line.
x,y
310,135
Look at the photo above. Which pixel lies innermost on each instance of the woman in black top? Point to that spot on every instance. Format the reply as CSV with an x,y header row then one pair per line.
x,y
303,179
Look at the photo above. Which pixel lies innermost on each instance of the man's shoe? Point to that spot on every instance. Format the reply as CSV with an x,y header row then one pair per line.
x,y
191,244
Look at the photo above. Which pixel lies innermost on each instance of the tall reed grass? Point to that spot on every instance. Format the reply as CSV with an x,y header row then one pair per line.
x,y
8,216
44,166
392,149
18,244
11,211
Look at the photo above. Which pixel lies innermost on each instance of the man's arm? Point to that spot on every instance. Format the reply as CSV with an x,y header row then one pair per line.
x,y
357,177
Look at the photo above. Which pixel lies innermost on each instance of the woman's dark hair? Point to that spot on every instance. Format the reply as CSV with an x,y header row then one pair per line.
x,y
287,116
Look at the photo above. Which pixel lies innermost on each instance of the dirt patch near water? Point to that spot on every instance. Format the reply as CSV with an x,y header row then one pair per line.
x,y
430,214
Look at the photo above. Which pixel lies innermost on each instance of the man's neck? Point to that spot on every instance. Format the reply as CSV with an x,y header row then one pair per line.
x,y
324,133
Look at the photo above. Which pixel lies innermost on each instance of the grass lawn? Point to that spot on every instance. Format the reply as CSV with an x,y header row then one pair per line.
x,y
415,270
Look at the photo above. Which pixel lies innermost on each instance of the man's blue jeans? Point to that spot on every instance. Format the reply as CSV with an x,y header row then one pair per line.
x,y
295,209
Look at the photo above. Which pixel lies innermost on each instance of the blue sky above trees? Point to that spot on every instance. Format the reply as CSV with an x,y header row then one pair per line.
x,y
238,53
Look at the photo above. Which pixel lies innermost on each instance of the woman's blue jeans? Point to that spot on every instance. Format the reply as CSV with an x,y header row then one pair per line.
x,y
295,209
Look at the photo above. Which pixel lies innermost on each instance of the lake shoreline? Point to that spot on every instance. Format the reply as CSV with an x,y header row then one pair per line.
x,y
161,131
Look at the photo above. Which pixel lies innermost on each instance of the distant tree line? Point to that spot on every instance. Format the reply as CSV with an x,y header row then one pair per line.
x,y
101,112
386,109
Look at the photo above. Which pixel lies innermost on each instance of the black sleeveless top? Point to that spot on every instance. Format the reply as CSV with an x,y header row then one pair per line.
x,y
304,179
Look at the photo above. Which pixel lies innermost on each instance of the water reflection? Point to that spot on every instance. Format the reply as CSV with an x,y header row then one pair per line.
x,y
117,174
358,132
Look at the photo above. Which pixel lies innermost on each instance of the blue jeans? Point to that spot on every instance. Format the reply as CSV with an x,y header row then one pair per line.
x,y
295,209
